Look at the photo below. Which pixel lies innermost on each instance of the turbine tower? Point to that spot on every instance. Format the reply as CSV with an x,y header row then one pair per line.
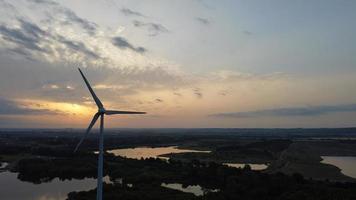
x,y
101,112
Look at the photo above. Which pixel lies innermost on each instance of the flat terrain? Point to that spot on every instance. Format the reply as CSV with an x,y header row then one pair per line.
x,y
293,157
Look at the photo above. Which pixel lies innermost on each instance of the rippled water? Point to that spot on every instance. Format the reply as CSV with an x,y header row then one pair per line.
x,y
149,152
347,164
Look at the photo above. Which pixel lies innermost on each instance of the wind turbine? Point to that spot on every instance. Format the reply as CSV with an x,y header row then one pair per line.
x,y
101,112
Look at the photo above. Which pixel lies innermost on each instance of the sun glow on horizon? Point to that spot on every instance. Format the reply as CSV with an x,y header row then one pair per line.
x,y
59,108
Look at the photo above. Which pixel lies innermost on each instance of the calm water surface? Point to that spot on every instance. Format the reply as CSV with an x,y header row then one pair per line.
x,y
58,190
149,152
12,188
197,190
242,165
3,165
347,164
155,152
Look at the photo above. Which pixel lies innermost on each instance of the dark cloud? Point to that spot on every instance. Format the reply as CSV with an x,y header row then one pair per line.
x,y
122,43
31,29
28,36
47,2
129,12
158,100
20,51
17,121
78,46
90,27
223,92
247,32
197,92
8,107
71,16
153,28
177,94
9,6
205,4
203,20
285,112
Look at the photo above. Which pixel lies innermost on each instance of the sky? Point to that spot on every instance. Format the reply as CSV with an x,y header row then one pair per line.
x,y
187,63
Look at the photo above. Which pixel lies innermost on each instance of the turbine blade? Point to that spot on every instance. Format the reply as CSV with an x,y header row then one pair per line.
x,y
96,99
116,112
96,116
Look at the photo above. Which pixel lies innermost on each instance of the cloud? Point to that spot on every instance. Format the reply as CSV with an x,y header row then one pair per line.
x,y
70,16
197,92
205,4
56,34
203,21
8,107
31,29
21,79
292,111
153,28
28,36
229,76
8,6
50,86
78,46
129,12
47,2
247,32
177,94
158,100
20,51
223,92
90,27
122,43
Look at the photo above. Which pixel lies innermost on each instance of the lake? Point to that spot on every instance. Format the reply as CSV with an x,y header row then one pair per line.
x,y
197,190
58,190
12,188
347,164
242,165
150,152
155,152
3,165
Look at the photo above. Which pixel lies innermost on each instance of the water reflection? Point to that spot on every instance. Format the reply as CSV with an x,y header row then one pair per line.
x,y
3,165
150,152
347,164
242,165
197,190
12,188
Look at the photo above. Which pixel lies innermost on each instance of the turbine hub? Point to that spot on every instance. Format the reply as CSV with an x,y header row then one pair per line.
x,y
101,110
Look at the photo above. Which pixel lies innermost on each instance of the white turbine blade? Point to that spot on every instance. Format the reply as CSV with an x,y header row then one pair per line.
x,y
96,99
96,116
116,112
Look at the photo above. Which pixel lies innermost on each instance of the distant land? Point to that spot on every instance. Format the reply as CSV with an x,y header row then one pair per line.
x,y
268,132
293,160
